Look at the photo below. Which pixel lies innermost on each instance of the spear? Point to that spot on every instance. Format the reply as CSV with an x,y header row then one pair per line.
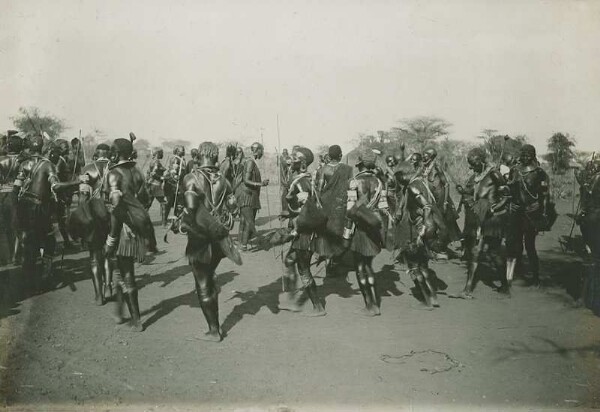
x,y
77,156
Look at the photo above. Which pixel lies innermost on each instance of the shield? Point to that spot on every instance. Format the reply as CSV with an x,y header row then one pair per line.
x,y
230,250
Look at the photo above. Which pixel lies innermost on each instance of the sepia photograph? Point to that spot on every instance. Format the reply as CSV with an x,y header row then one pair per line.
x,y
299,206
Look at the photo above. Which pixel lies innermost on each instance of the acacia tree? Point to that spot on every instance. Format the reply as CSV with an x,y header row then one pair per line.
x,y
30,122
421,131
560,152
500,146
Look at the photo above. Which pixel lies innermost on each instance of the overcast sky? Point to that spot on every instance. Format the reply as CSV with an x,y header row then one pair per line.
x,y
331,70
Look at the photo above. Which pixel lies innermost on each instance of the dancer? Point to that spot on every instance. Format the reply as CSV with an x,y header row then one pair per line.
x,y
9,168
332,188
248,195
363,229
130,227
438,184
419,228
490,197
91,222
38,185
58,153
207,220
155,181
297,260
172,186
589,223
529,206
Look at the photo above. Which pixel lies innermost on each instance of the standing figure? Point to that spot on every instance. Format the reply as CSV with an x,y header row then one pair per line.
x,y
207,221
471,225
530,197
76,158
238,161
332,188
176,170
193,161
363,228
248,195
155,176
589,224
227,166
297,260
419,228
416,159
38,185
284,163
59,155
91,221
130,227
490,199
9,168
438,184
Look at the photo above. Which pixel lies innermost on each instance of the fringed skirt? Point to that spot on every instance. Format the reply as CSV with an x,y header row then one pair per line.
x,y
246,198
327,245
366,244
131,245
155,189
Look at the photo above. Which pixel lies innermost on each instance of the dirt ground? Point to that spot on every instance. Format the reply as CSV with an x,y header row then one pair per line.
x,y
59,351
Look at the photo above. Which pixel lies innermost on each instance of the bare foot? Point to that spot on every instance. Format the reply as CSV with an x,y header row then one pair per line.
x,y
422,306
315,312
136,326
211,336
287,303
368,312
99,300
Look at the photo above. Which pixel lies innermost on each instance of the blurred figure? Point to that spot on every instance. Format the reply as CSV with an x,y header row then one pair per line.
x,y
174,174
438,184
297,260
155,176
9,169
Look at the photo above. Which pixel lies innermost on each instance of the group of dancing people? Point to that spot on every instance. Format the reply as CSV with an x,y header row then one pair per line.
x,y
332,211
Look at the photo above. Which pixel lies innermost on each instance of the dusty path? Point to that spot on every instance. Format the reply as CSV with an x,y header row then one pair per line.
x,y
59,350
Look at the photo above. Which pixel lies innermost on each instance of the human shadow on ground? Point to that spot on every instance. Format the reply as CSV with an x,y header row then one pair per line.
x,y
251,303
166,278
561,270
553,348
190,299
263,220
17,286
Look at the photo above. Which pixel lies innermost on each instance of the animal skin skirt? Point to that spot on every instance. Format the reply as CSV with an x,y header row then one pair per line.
x,y
131,245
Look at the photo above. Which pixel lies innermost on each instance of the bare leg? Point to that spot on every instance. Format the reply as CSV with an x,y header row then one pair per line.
x,y
372,285
429,277
208,298
108,275
361,277
97,268
130,293
287,300
303,264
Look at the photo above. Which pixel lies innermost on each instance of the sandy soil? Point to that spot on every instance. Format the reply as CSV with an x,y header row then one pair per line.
x,y
59,351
